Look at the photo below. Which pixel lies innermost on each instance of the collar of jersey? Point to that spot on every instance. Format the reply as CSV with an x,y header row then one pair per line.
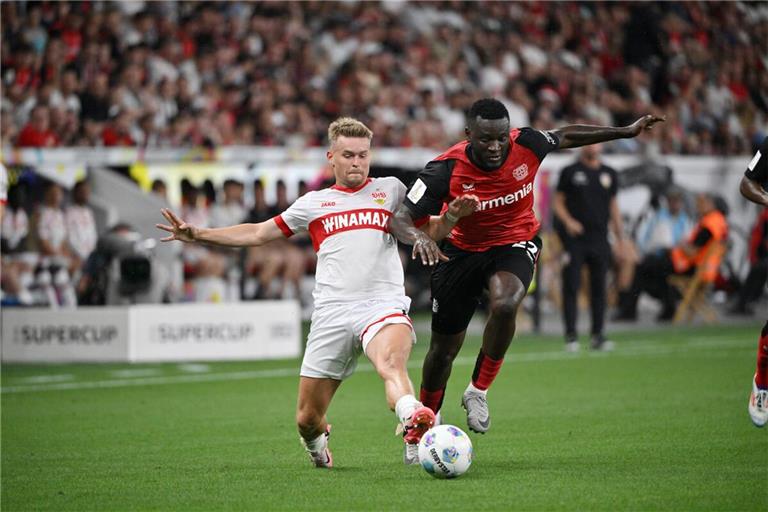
x,y
352,190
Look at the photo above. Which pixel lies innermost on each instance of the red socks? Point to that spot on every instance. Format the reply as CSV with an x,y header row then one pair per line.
x,y
486,370
761,374
432,399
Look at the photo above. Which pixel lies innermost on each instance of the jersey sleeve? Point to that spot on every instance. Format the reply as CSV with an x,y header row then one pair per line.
x,y
539,141
296,218
614,181
399,190
430,190
564,181
757,170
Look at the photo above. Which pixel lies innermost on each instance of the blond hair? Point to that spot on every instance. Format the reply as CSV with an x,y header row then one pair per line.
x,y
348,127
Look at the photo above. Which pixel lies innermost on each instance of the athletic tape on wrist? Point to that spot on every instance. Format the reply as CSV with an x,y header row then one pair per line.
x,y
451,217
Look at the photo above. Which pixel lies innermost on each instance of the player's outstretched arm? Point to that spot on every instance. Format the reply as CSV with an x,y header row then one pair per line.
x,y
577,135
240,235
439,226
753,191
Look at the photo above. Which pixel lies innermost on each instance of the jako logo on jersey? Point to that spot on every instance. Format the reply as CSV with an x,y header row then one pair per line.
x,y
379,197
326,204
467,187
507,199
355,219
520,172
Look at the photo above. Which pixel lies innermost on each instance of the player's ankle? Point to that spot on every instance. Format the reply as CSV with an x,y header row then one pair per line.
x,y
405,406
316,444
472,388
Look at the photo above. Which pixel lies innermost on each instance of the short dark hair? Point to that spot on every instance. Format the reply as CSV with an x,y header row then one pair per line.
x,y
79,184
488,108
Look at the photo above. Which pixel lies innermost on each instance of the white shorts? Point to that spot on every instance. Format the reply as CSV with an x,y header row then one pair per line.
x,y
340,332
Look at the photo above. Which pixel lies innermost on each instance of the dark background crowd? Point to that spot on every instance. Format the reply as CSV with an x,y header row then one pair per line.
x,y
175,74
181,74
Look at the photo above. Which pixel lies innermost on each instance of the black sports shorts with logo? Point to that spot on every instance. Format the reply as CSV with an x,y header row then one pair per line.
x,y
458,284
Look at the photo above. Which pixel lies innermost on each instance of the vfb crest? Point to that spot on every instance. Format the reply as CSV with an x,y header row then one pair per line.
x,y
379,197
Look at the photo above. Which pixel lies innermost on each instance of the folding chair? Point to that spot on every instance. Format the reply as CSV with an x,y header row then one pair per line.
x,y
695,289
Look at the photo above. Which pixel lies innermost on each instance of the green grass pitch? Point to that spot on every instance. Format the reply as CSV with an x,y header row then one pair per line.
x,y
660,424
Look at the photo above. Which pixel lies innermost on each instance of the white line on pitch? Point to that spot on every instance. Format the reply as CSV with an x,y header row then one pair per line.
x,y
194,368
41,379
643,349
135,372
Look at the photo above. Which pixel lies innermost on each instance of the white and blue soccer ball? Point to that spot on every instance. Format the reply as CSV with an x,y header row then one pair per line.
x,y
445,451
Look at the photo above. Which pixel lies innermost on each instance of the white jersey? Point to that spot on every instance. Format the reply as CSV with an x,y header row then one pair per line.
x,y
81,230
357,257
52,227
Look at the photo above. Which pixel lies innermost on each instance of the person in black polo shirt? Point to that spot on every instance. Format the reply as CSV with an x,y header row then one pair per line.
x,y
584,206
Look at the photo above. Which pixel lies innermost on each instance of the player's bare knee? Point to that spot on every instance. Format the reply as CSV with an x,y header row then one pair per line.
x,y
443,356
506,307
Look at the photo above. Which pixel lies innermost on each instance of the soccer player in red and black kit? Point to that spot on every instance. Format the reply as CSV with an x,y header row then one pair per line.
x,y
753,186
495,248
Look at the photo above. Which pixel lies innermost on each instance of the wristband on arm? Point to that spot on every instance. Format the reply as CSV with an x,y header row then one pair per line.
x,y
451,217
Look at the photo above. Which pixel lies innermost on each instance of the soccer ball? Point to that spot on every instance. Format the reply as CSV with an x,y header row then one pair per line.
x,y
445,451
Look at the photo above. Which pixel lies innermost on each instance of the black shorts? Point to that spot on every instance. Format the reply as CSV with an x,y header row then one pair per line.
x,y
458,284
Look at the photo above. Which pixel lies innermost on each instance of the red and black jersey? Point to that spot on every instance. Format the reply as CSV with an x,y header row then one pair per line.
x,y
506,213
757,170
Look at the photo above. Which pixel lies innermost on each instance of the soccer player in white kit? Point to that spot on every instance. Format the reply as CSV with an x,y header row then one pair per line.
x,y
360,301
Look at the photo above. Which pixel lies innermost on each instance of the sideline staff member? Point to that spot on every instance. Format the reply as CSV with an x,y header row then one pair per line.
x,y
585,203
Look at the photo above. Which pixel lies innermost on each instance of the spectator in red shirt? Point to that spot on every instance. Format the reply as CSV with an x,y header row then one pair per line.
x,y
23,68
72,36
37,132
118,132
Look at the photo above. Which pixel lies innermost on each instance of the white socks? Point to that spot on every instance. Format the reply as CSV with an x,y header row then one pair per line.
x,y
316,445
472,389
405,406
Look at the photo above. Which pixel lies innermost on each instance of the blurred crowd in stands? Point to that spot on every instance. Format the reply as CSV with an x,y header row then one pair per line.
x,y
45,250
166,74
53,254
171,74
